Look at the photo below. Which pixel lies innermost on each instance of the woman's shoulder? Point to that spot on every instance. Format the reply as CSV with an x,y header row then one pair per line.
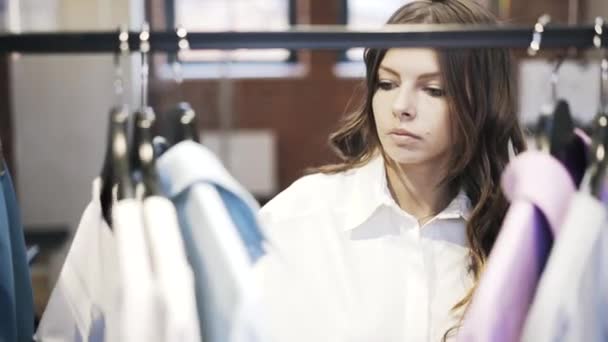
x,y
307,196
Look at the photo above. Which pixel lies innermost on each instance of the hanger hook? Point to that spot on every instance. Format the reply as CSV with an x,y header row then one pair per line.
x,y
123,50
555,76
595,176
599,44
537,35
144,48
182,45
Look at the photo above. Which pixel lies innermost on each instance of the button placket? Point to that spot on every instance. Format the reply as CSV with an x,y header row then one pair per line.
x,y
417,296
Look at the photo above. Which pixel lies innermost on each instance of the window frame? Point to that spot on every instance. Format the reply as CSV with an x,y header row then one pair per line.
x,y
346,68
170,17
343,20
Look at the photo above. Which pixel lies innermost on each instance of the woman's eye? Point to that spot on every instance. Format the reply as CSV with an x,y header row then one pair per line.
x,y
434,92
386,85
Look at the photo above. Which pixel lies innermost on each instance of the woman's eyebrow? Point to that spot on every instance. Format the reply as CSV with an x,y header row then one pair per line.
x,y
389,70
429,76
424,77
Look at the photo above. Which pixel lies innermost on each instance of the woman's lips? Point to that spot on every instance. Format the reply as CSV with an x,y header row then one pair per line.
x,y
404,134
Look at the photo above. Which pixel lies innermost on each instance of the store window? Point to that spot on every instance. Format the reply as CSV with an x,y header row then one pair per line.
x,y
233,15
365,14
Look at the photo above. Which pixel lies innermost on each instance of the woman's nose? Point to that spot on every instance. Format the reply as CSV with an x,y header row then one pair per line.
x,y
404,105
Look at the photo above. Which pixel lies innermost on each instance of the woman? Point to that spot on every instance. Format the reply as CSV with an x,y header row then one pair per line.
x,y
394,238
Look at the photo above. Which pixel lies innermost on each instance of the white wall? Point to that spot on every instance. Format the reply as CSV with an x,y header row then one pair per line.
x,y
60,108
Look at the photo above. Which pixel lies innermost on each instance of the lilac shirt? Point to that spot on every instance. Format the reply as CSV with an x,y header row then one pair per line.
x,y
539,189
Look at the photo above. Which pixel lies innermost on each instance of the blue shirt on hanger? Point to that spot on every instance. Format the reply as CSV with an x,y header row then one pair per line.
x,y
244,220
23,297
189,164
221,236
8,325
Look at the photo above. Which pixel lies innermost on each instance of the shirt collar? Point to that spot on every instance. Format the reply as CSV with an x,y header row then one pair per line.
x,y
188,163
368,190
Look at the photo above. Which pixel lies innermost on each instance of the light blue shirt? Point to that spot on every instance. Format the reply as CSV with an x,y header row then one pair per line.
x,y
8,324
16,300
220,232
244,221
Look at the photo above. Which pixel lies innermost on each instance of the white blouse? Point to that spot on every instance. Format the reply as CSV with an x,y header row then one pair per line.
x,y
361,268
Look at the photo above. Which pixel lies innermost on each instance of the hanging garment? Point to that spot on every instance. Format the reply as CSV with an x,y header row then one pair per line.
x,y
172,271
359,267
572,297
140,311
243,217
24,301
83,304
221,250
8,323
539,189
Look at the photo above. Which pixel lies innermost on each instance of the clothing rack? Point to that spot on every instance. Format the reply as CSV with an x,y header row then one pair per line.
x,y
310,37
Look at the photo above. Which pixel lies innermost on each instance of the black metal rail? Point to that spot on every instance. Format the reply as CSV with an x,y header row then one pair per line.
x,y
309,37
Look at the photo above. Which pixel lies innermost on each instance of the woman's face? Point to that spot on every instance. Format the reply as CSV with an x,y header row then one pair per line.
x,y
410,108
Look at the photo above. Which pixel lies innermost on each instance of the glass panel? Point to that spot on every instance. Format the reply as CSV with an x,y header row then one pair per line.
x,y
237,15
365,14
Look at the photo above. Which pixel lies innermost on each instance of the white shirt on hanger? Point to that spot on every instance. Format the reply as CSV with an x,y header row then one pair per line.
x,y
362,269
140,314
172,271
571,299
82,306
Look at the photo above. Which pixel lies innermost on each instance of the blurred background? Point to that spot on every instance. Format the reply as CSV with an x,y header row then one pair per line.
x,y
267,114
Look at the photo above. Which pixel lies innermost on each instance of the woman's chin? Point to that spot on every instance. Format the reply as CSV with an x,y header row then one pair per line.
x,y
405,157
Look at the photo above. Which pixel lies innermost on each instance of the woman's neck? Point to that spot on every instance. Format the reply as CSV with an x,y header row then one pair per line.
x,y
418,189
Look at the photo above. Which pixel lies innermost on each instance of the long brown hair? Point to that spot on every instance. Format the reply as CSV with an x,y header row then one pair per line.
x,y
480,96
